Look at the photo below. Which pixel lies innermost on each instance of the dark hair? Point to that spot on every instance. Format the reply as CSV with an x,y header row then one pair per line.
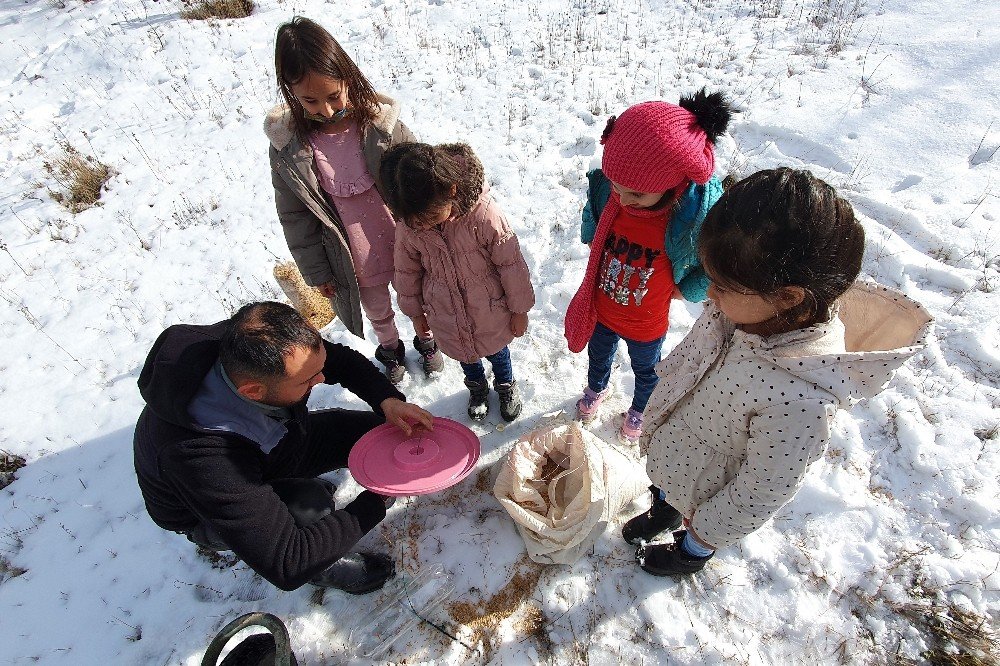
x,y
782,228
302,47
259,337
418,179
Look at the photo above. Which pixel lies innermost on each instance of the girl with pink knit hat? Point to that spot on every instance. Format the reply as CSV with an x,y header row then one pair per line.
x,y
645,208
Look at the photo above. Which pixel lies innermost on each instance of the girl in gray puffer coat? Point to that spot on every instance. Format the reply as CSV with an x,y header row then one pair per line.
x,y
746,400
327,140
459,268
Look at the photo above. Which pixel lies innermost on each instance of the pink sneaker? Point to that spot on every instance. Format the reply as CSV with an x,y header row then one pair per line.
x,y
631,428
587,406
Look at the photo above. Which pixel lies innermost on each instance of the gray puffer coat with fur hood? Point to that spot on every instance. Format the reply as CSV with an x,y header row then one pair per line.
x,y
313,229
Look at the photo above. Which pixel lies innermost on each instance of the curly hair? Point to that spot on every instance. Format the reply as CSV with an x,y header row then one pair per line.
x,y
304,47
780,228
419,179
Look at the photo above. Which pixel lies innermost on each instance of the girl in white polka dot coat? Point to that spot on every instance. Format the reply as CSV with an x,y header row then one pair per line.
x,y
747,399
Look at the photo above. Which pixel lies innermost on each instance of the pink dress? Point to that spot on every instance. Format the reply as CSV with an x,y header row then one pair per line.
x,y
371,231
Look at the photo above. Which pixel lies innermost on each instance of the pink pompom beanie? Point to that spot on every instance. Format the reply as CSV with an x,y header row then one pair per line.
x,y
655,146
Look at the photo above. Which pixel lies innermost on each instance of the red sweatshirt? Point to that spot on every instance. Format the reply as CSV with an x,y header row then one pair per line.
x,y
635,280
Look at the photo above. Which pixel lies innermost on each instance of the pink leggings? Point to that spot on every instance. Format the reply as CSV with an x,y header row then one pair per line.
x,y
377,304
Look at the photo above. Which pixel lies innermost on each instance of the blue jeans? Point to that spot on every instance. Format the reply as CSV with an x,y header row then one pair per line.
x,y
503,373
643,355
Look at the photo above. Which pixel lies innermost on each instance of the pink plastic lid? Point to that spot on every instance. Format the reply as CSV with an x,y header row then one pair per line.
x,y
388,462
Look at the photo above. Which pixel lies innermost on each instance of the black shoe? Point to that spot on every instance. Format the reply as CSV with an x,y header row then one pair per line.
x,y
357,573
479,399
669,559
510,400
659,518
431,358
394,361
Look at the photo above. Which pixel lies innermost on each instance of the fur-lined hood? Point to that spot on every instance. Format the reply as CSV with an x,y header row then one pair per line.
x,y
879,328
279,130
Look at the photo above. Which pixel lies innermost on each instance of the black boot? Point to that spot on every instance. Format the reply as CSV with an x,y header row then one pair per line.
x,y
479,399
659,518
669,559
357,573
510,400
431,358
394,361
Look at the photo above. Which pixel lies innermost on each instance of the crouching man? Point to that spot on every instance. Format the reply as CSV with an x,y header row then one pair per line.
x,y
227,453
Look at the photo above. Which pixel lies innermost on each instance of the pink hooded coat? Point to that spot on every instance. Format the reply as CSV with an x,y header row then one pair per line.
x,y
468,277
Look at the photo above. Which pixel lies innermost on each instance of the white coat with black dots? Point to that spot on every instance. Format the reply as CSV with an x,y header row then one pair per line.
x,y
736,419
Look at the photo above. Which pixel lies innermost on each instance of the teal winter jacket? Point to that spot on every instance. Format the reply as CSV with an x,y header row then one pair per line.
x,y
681,240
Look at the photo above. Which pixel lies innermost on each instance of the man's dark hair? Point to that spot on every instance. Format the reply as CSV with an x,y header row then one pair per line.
x,y
259,337
781,228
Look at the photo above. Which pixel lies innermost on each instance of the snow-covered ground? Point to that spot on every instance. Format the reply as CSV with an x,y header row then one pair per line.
x,y
896,102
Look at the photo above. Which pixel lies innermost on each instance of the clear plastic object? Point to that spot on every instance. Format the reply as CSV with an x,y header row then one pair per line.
x,y
406,599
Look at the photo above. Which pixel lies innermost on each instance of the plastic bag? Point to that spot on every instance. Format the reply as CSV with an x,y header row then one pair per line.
x,y
562,485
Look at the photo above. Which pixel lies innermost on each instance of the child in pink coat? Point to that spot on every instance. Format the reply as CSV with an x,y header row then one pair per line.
x,y
459,271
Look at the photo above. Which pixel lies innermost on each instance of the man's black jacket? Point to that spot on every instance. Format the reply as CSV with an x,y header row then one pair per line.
x,y
188,475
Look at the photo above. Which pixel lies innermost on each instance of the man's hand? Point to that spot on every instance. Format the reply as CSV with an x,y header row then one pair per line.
x,y
327,289
420,326
518,323
406,416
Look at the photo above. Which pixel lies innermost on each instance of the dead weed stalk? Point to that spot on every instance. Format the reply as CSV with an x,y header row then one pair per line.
x,y
9,464
9,570
957,637
206,10
81,176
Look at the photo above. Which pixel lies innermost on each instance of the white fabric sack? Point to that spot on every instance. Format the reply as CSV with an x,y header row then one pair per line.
x,y
561,518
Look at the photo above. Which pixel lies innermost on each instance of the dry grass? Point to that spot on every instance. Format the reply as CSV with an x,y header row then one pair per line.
x,y
81,176
9,464
206,10
8,570
218,559
485,616
535,624
311,304
483,484
957,637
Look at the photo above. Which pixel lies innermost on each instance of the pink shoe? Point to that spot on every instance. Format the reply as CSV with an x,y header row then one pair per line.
x,y
631,428
587,406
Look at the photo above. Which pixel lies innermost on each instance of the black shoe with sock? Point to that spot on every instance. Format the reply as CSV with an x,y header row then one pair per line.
x,y
669,559
659,518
